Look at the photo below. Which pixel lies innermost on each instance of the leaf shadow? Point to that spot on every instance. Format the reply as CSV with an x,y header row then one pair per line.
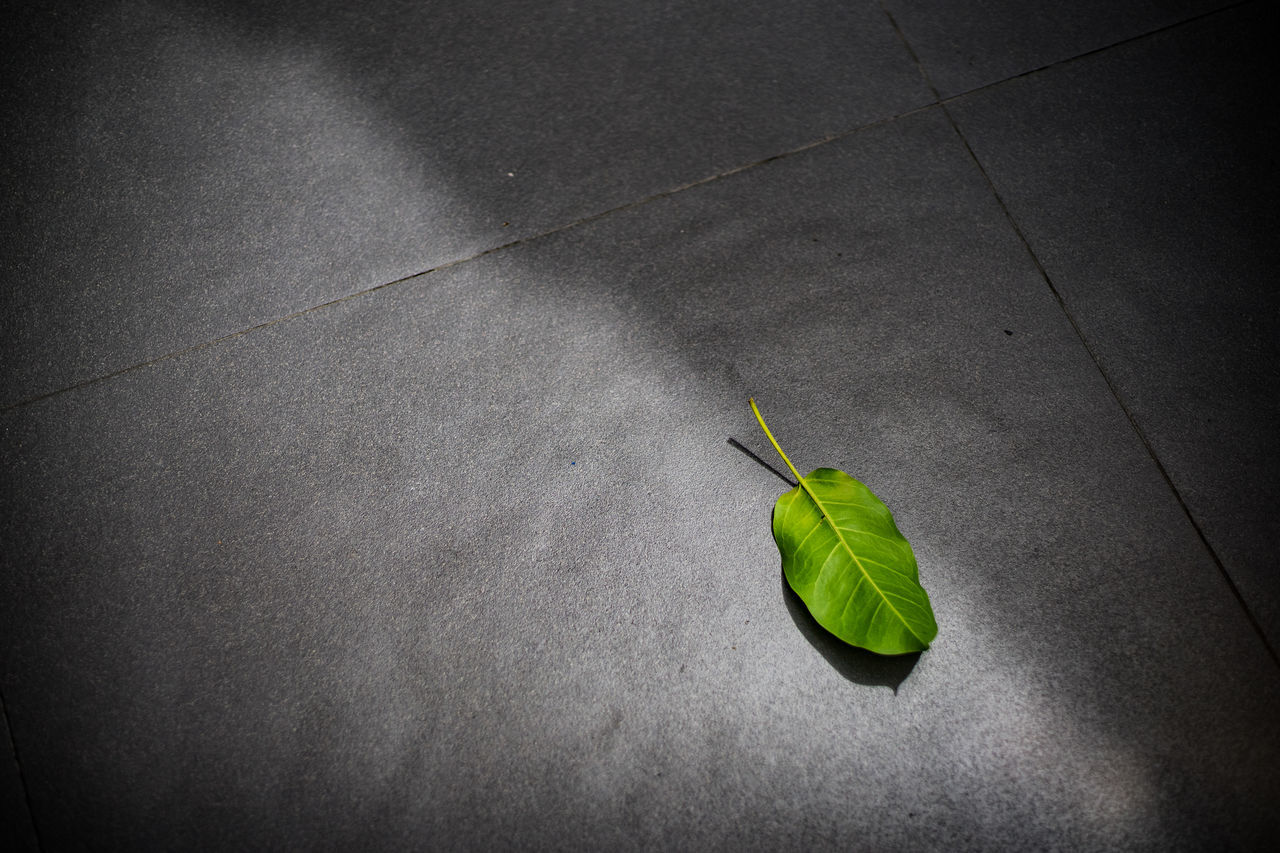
x,y
781,476
858,665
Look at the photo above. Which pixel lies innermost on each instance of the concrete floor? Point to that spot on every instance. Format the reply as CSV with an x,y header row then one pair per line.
x,y
372,375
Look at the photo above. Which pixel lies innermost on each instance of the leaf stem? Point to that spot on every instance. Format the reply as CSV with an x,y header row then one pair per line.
x,y
799,479
822,510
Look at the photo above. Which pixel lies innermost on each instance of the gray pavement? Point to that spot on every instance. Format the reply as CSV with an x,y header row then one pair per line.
x,y
374,416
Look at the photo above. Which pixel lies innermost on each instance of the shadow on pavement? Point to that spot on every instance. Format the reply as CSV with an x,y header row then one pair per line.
x,y
858,665
781,476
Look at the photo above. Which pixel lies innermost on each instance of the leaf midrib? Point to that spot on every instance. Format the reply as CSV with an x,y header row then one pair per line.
x,y
840,535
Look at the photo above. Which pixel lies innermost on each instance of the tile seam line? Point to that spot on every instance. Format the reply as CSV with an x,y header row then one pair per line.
x,y
1079,331
1119,398
1070,59
22,777
567,226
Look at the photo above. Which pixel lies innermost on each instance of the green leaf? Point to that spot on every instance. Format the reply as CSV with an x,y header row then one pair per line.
x,y
843,555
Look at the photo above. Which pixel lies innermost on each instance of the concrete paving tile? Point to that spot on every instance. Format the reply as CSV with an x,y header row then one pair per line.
x,y
470,562
187,170
1146,180
966,45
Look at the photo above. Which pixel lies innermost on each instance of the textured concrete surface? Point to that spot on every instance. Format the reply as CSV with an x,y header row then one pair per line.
x,y
475,558
1172,274
191,169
